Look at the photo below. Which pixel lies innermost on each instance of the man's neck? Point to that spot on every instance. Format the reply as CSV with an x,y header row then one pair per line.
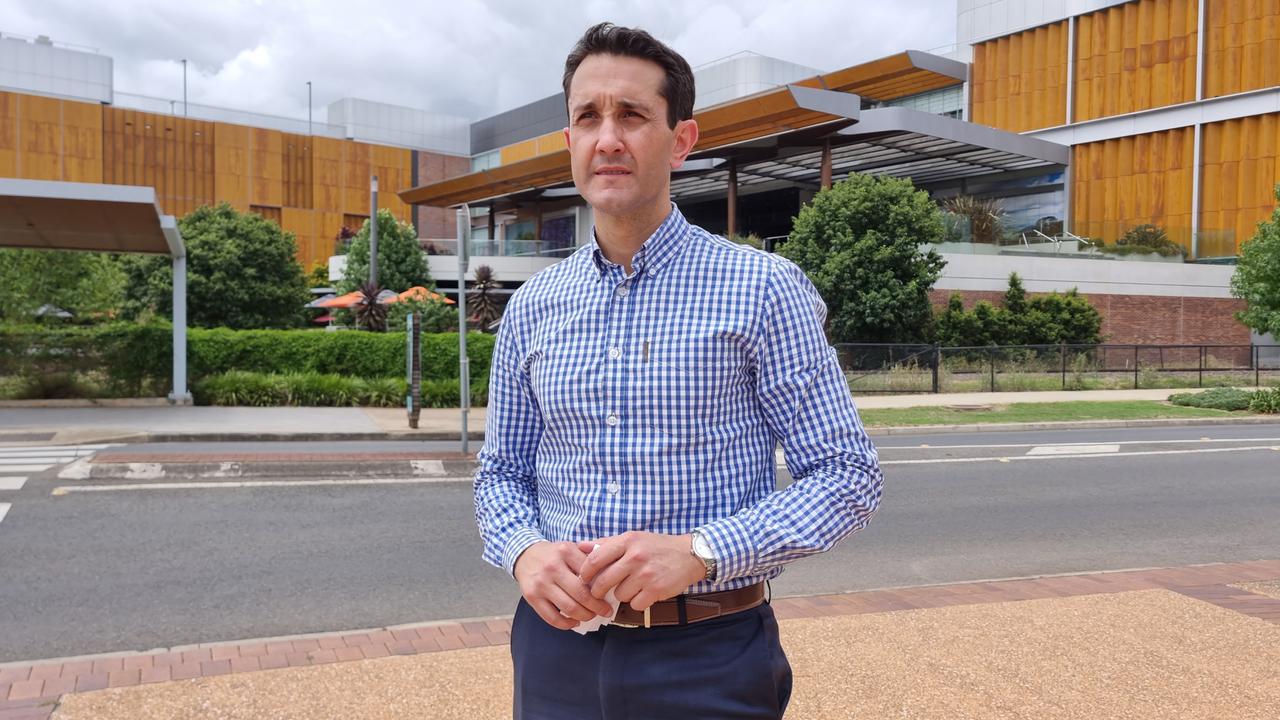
x,y
620,237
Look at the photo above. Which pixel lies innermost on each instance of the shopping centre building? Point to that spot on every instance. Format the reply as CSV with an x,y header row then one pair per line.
x,y
1084,118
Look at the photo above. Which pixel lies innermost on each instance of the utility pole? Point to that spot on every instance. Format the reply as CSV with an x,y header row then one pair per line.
x,y
184,87
373,231
308,107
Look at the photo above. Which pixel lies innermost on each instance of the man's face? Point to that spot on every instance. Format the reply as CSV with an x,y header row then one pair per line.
x,y
621,149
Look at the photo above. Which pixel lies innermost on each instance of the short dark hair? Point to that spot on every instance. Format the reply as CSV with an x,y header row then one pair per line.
x,y
609,39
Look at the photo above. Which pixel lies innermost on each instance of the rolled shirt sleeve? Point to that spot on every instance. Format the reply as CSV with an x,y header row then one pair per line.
x,y
806,402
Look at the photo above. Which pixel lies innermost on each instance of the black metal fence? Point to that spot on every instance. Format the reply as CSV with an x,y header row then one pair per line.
x,y
908,368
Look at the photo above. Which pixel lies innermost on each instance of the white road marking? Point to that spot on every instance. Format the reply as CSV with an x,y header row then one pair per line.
x,y
53,459
26,468
12,483
1073,449
39,452
1142,453
4,510
257,484
1118,442
56,447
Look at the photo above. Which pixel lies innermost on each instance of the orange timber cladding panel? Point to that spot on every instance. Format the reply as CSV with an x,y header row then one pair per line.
x,y
310,183
1241,169
1242,46
1120,183
1130,57
50,139
1020,80
1135,56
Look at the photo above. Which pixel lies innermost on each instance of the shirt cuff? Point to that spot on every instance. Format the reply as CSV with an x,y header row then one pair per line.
x,y
517,544
731,548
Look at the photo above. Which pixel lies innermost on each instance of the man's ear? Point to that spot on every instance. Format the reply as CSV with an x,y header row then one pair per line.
x,y
567,144
686,138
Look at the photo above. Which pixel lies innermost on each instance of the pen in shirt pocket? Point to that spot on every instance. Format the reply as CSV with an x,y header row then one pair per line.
x,y
646,352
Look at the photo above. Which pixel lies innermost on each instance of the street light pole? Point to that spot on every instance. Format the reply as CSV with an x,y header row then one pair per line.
x,y
308,107
184,87
373,231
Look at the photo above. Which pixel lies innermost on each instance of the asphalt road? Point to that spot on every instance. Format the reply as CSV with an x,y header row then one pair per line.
x,y
89,572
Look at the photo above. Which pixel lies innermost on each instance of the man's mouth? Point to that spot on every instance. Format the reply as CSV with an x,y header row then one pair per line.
x,y
612,171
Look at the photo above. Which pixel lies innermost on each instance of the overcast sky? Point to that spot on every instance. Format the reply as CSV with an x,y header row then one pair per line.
x,y
472,58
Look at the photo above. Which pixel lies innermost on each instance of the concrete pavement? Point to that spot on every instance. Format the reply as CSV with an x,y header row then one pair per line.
x,y
1200,641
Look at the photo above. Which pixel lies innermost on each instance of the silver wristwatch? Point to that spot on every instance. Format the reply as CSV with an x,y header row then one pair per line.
x,y
702,550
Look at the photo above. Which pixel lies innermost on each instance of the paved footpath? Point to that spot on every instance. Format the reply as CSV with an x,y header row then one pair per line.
x,y
1201,641
141,421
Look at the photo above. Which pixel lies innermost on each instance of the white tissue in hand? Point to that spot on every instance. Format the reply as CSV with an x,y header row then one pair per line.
x,y
598,621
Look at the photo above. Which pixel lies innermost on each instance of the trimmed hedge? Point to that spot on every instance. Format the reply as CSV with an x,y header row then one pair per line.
x,y
317,389
136,360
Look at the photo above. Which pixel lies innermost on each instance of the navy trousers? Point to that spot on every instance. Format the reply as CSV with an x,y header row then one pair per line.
x,y
727,667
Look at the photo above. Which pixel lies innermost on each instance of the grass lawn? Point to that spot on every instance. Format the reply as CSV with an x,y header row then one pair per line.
x,y
1038,412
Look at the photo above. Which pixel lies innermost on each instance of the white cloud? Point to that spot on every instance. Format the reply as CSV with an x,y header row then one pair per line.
x,y
466,57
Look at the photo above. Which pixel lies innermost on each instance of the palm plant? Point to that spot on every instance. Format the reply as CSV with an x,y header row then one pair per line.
x,y
371,314
985,216
483,298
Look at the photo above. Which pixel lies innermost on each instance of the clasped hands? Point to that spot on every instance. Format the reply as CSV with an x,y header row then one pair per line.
x,y
565,583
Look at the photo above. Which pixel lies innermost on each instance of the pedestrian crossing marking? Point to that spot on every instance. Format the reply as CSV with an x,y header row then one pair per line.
x,y
12,483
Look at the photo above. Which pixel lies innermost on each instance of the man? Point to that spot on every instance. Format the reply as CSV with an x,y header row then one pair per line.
x,y
638,391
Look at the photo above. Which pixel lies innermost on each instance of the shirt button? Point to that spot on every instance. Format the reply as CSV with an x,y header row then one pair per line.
x,y
615,353
611,421
622,291
613,487
652,272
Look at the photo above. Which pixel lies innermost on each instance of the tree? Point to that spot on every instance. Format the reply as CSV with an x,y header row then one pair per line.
x,y
401,262
242,273
1257,277
859,241
1040,320
84,284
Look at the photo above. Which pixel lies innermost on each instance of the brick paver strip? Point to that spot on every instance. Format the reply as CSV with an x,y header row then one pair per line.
x,y
32,689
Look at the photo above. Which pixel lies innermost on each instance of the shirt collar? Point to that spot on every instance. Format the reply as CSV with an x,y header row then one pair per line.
x,y
661,246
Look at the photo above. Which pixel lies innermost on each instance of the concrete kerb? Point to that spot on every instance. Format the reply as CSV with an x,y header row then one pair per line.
x,y
478,436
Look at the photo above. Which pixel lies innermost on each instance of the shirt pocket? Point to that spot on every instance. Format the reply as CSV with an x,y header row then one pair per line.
x,y
684,383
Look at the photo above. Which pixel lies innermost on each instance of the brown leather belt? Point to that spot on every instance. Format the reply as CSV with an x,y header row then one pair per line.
x,y
685,609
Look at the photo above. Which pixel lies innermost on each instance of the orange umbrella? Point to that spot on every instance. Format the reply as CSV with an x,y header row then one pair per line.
x,y
341,301
420,293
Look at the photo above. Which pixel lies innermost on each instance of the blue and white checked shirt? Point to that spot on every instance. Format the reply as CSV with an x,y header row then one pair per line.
x,y
654,402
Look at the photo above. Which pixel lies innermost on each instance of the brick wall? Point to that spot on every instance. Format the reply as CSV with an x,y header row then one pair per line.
x,y
435,222
1147,319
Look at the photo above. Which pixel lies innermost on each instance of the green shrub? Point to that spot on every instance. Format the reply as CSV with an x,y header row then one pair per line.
x,y
1143,239
1224,398
1038,320
1266,401
319,389
381,392
136,360
240,388
326,390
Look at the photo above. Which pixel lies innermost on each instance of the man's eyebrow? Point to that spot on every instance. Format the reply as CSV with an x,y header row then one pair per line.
x,y
624,103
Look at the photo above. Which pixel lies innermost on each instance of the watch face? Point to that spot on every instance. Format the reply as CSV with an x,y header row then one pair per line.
x,y
701,547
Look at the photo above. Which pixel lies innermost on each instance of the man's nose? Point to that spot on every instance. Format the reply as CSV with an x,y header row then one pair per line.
x,y
610,139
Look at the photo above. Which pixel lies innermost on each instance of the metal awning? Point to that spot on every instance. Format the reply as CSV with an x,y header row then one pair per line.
x,y
828,102
893,141
47,215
